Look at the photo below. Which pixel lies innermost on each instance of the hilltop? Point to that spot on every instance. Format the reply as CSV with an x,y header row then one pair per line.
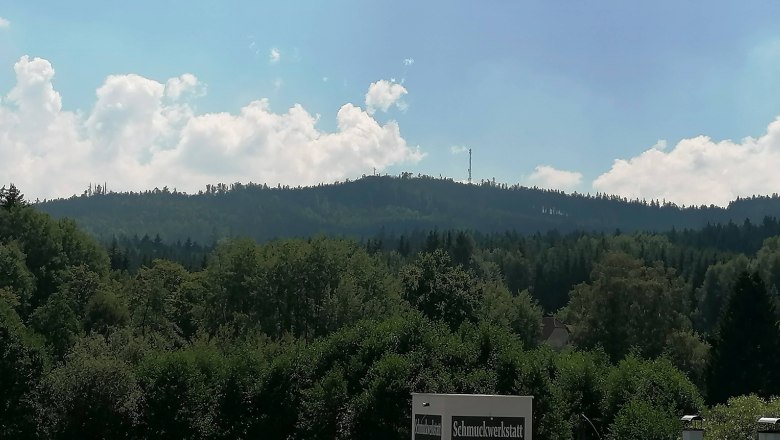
x,y
382,204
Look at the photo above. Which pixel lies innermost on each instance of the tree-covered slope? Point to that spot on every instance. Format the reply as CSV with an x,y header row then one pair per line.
x,y
283,339
368,205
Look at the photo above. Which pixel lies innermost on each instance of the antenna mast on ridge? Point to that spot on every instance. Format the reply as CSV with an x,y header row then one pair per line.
x,y
469,166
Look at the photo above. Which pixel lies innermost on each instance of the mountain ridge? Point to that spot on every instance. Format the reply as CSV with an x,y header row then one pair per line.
x,y
389,204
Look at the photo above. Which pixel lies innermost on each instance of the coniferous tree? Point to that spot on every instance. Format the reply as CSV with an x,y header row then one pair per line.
x,y
745,347
11,197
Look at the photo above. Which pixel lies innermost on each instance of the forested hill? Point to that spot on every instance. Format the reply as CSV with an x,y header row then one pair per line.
x,y
324,337
373,204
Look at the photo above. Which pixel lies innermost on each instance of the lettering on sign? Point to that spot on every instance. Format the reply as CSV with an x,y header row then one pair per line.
x,y
472,427
427,427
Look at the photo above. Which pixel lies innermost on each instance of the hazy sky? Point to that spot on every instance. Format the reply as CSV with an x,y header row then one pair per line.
x,y
672,100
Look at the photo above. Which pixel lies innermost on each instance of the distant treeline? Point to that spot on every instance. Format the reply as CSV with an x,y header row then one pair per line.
x,y
548,265
400,205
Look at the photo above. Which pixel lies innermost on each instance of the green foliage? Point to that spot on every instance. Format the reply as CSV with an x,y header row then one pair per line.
x,y
105,312
22,363
304,288
158,303
178,396
767,262
736,419
11,198
440,291
582,380
718,284
688,352
745,348
59,324
326,338
513,265
127,253
604,312
767,265
79,249
520,313
14,275
380,364
90,396
533,374
272,399
640,420
51,248
326,400
78,284
656,382
403,204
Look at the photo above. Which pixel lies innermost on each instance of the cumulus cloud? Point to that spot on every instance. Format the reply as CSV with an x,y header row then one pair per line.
x,y
549,177
142,134
177,87
4,23
661,144
699,170
275,55
408,61
383,94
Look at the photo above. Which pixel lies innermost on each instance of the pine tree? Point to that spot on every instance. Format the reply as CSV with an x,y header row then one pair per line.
x,y
745,346
11,197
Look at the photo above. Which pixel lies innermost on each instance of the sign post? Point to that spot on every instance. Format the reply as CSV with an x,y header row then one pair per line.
x,y
471,417
769,428
692,427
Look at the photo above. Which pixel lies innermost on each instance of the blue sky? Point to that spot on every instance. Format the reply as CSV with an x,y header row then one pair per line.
x,y
546,93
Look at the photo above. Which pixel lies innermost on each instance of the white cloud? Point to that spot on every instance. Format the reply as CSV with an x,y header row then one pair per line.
x,y
142,134
253,45
4,23
383,94
175,88
549,177
699,170
34,93
661,145
408,61
458,149
275,55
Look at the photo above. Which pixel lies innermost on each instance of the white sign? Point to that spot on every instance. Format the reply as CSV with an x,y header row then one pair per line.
x,y
471,417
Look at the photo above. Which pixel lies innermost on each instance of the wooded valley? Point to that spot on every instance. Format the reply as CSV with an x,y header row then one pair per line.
x,y
324,331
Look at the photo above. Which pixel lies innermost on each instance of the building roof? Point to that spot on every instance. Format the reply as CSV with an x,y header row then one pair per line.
x,y
549,324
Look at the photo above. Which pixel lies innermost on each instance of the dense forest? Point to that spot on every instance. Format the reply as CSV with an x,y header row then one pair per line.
x,y
325,336
363,207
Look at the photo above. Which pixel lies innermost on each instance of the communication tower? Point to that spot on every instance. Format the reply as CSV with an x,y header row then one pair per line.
x,y
469,166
